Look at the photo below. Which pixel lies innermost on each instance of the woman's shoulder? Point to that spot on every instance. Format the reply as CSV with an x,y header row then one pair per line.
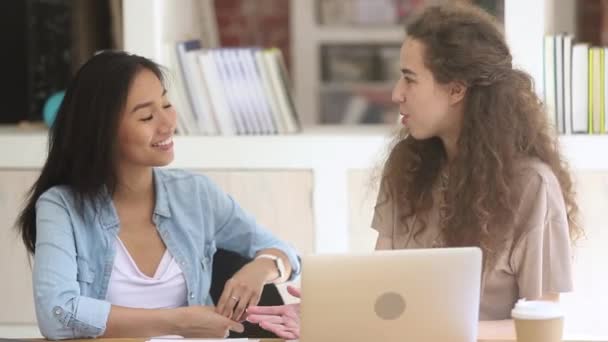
x,y
58,194
179,179
535,172
539,186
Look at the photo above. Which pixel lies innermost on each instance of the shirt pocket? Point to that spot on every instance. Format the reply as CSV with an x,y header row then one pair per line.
x,y
207,257
85,273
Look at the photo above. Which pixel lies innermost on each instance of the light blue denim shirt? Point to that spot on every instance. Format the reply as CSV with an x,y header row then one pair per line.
x,y
75,252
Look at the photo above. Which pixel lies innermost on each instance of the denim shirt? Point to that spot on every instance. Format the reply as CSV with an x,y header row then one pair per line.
x,y
75,250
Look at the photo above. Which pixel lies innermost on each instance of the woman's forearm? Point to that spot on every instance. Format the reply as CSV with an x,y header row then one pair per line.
x,y
129,322
286,263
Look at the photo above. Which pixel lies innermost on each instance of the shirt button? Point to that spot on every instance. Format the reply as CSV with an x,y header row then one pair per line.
x,y
192,295
58,311
183,263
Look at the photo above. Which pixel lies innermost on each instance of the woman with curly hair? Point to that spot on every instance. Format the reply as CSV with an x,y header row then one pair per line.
x,y
476,164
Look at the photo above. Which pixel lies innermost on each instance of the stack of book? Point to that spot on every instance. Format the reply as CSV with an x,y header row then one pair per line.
x,y
230,91
575,89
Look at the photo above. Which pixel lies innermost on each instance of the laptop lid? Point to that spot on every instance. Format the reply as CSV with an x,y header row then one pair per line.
x,y
396,295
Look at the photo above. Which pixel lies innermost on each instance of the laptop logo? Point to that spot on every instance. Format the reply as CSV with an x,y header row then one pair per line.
x,y
390,306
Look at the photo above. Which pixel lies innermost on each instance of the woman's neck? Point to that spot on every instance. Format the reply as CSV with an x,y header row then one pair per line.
x,y
134,184
452,131
450,144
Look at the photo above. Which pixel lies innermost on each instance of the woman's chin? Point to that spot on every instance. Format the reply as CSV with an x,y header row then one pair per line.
x,y
163,162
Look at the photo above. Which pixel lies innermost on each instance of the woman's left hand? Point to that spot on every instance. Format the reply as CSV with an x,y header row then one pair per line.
x,y
245,288
283,320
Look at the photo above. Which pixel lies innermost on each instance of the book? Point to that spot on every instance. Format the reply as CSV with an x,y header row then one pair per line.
x,y
269,92
280,81
549,71
605,93
228,91
559,84
255,88
225,120
205,114
602,91
596,56
195,89
176,91
580,88
568,40
236,96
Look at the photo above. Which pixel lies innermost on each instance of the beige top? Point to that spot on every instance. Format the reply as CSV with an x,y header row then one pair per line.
x,y
535,262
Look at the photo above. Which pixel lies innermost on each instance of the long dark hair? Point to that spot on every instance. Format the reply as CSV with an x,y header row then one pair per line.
x,y
82,140
504,121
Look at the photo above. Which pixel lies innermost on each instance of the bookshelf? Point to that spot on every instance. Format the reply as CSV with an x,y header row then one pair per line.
x,y
525,26
309,37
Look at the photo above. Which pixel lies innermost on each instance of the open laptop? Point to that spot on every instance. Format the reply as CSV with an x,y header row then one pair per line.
x,y
416,295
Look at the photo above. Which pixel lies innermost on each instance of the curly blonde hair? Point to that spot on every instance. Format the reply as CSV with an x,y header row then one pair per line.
x,y
504,121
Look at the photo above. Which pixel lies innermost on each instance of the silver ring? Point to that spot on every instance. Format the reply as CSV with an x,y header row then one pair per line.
x,y
235,298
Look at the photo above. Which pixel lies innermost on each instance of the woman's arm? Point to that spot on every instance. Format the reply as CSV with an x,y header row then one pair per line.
x,y
192,321
237,231
60,309
124,322
270,266
247,284
384,242
541,258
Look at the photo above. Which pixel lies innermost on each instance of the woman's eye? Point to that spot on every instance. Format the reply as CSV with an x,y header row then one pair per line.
x,y
147,118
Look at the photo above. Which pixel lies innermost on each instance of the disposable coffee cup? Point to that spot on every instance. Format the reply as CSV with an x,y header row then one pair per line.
x,y
538,321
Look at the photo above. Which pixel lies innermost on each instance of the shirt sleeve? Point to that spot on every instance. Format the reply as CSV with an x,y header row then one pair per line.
x,y
61,311
384,213
542,256
237,231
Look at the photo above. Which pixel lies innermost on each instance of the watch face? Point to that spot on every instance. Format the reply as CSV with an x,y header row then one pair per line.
x,y
278,263
280,267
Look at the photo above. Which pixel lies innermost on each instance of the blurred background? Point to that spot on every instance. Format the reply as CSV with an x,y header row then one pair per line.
x,y
356,42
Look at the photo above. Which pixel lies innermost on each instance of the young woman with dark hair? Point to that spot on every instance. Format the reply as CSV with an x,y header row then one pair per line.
x,y
121,247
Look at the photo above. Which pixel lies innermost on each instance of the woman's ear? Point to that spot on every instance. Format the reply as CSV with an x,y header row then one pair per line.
x,y
457,92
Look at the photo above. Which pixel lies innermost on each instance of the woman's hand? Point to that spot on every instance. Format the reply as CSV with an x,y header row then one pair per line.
x,y
283,321
203,321
245,288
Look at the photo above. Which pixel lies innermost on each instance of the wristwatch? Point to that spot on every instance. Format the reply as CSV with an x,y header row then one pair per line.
x,y
277,261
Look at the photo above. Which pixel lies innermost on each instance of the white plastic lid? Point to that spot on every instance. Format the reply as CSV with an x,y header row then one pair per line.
x,y
536,309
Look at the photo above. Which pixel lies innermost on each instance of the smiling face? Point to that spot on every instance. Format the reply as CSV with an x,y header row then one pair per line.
x,y
147,124
427,106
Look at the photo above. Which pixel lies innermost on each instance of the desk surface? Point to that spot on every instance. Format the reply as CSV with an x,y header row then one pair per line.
x,y
277,340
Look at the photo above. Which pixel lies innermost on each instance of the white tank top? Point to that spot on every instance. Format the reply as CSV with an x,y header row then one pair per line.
x,y
129,287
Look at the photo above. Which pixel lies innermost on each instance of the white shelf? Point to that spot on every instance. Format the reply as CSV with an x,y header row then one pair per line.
x,y
356,147
320,147
361,35
349,86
